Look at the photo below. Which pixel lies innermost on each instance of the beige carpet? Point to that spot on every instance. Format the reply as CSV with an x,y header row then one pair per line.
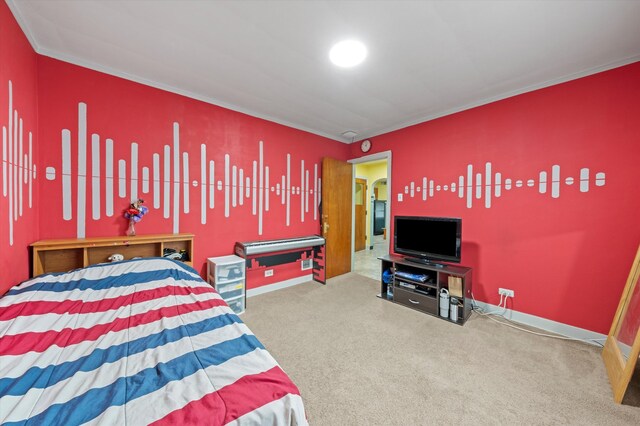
x,y
360,360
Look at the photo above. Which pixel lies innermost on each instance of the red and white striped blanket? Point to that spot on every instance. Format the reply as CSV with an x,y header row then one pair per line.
x,y
133,343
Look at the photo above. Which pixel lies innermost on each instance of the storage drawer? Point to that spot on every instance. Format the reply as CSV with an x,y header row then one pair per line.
x,y
231,289
416,301
229,272
237,305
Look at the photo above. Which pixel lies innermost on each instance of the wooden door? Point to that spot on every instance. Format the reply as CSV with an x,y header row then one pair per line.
x,y
361,214
336,215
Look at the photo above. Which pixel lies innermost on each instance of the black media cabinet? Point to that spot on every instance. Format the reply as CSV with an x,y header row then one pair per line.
x,y
425,296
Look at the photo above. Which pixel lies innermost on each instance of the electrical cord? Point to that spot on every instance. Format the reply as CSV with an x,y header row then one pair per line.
x,y
501,311
478,310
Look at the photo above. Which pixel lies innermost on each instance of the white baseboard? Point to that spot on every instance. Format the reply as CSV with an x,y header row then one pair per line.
x,y
279,285
546,324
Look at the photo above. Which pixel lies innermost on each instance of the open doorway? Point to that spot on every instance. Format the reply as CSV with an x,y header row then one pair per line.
x,y
371,212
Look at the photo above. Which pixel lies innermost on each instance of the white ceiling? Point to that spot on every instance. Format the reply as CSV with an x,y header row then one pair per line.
x,y
270,58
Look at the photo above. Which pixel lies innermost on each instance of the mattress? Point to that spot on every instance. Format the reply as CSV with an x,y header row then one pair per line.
x,y
133,343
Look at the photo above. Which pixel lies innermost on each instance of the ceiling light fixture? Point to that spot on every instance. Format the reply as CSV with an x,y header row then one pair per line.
x,y
348,53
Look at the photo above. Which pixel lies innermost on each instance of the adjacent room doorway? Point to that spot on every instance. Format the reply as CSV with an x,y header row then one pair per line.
x,y
371,204
360,212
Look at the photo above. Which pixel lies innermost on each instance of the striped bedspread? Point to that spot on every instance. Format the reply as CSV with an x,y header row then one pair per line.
x,y
134,343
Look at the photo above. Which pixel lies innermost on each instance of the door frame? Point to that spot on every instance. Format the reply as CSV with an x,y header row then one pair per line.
x,y
384,155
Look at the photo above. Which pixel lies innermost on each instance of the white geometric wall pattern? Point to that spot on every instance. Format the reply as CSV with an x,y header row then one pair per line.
x,y
18,170
236,187
479,186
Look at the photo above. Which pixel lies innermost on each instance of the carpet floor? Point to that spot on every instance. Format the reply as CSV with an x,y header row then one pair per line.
x,y
360,360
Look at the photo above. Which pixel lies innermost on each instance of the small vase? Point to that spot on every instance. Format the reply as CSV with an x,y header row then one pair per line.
x,y
131,231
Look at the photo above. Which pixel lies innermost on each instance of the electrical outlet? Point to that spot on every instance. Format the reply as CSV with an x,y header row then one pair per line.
x,y
506,292
268,273
306,264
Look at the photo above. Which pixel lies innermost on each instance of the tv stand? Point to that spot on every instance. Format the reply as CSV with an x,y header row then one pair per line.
x,y
424,294
424,262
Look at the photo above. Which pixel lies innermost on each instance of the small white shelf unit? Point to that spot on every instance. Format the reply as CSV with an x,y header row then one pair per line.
x,y
227,275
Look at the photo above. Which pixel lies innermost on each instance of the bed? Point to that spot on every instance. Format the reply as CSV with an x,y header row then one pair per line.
x,y
134,342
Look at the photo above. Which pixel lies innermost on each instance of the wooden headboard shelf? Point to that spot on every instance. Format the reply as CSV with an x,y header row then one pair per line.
x,y
66,254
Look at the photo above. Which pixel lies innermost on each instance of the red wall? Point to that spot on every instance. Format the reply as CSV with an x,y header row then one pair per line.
x,y
128,112
19,227
567,258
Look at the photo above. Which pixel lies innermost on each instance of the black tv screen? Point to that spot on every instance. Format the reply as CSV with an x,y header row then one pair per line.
x,y
428,238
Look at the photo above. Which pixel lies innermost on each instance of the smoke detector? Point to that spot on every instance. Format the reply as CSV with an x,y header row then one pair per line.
x,y
349,134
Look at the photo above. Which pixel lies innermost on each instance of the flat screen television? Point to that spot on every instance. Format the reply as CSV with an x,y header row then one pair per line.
x,y
425,239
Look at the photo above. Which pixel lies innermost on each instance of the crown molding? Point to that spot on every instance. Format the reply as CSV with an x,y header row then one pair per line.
x,y
526,89
15,10
168,88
